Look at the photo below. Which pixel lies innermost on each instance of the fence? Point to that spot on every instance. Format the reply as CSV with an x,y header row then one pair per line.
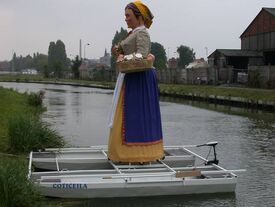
x,y
261,76
187,76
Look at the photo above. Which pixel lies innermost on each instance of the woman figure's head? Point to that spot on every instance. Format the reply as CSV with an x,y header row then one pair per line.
x,y
138,14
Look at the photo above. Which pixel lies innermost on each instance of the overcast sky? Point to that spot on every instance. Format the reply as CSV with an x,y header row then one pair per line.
x,y
27,26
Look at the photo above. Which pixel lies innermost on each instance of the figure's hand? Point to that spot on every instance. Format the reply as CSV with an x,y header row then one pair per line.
x,y
151,57
120,58
115,50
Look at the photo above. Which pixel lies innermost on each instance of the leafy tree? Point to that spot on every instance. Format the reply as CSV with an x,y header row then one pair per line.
x,y
28,61
75,68
40,61
57,58
186,55
51,56
14,62
18,63
57,69
60,53
119,36
160,55
45,71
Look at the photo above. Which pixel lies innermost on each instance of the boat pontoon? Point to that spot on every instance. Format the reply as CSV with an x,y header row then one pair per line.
x,y
87,173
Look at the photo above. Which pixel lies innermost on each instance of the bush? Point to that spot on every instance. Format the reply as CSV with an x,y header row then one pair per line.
x,y
36,99
28,133
15,189
254,79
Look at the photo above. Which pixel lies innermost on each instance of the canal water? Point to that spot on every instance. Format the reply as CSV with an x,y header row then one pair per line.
x,y
246,140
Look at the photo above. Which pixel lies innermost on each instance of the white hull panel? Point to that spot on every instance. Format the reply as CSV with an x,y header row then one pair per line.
x,y
99,190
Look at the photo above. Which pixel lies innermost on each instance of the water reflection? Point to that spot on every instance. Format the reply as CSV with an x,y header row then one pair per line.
x,y
161,201
76,105
245,112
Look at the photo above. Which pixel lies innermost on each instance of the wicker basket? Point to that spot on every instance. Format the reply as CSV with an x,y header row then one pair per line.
x,y
131,66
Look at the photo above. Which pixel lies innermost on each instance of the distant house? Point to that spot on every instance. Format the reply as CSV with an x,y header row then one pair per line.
x,y
172,63
106,59
257,48
96,69
84,70
198,72
5,66
29,71
197,63
230,62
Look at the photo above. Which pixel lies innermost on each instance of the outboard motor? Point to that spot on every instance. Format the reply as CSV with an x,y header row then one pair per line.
x,y
211,144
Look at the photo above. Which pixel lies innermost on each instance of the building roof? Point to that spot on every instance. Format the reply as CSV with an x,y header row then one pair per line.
x,y
269,10
238,53
196,64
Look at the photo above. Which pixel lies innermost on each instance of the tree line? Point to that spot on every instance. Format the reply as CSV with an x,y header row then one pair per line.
x,y
54,64
57,64
37,61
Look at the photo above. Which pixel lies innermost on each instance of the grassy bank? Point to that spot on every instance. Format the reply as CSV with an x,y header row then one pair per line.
x,y
16,190
245,93
21,130
39,78
12,103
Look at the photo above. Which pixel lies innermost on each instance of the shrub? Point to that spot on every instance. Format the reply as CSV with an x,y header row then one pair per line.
x,y
254,79
29,133
15,189
36,99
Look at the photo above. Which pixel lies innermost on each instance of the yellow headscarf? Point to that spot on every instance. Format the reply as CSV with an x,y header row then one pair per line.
x,y
145,12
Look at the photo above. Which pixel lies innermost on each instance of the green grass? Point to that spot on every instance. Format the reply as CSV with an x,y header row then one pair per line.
x,y
21,77
246,93
16,190
21,128
11,104
29,78
27,133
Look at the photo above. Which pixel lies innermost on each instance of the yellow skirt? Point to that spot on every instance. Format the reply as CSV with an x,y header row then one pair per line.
x,y
117,151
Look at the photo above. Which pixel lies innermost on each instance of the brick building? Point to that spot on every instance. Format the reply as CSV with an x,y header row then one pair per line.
x,y
5,66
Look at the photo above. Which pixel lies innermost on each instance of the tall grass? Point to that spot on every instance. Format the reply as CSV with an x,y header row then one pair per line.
x,y
28,133
36,99
15,189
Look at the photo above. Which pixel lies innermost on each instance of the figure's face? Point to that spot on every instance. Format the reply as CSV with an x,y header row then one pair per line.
x,y
131,20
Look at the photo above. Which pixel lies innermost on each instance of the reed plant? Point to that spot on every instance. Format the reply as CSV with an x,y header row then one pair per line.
x,y
15,189
27,133
36,99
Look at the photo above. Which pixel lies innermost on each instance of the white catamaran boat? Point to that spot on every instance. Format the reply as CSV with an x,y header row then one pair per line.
x,y
87,173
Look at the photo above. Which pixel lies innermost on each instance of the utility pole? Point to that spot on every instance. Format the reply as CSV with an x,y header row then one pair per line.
x,y
12,62
80,49
206,51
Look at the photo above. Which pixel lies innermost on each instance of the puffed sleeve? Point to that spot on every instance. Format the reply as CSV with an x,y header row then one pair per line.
x,y
143,43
